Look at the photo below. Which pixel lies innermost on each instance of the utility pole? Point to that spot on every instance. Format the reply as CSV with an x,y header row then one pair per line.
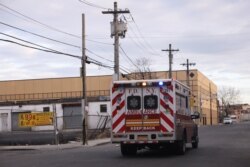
x,y
116,34
170,56
84,97
55,124
187,65
211,112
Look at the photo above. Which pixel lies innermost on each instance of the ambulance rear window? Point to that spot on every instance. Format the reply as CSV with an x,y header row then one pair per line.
x,y
150,102
134,102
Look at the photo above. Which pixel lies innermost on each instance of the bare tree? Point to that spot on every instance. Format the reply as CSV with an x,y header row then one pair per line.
x,y
228,96
143,70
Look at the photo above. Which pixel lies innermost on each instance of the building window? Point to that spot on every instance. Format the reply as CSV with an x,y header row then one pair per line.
x,y
46,109
103,108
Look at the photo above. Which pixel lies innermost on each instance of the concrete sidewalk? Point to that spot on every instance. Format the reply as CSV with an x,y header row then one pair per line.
x,y
69,145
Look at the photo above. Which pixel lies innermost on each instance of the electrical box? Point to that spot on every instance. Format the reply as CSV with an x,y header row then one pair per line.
x,y
121,28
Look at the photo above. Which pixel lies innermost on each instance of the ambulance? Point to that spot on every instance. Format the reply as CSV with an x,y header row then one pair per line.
x,y
152,114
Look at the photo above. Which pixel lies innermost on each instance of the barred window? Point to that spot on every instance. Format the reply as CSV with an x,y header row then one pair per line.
x,y
103,108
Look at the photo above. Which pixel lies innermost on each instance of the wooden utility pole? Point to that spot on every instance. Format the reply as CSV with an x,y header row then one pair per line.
x,y
170,56
211,111
187,73
84,97
115,13
55,124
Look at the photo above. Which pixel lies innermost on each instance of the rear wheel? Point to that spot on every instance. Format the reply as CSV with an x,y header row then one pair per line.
x,y
181,146
128,149
195,142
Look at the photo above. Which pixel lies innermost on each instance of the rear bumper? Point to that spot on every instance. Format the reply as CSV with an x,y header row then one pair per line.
x,y
143,138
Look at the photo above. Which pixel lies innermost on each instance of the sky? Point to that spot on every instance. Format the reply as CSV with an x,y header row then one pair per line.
x,y
214,34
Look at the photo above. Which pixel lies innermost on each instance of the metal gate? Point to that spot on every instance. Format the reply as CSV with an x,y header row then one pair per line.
x,y
72,117
15,120
4,122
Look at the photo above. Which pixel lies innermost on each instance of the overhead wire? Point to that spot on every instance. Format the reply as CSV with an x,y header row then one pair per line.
x,y
27,41
51,51
27,18
128,57
38,22
48,38
93,5
99,56
91,60
141,42
138,29
38,35
138,43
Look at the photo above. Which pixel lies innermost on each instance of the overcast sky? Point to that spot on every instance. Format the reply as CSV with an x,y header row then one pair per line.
x,y
215,34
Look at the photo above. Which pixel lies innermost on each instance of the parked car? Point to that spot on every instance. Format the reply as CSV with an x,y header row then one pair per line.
x,y
234,118
227,120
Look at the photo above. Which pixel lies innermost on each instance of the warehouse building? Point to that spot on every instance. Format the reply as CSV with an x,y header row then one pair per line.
x,y
63,97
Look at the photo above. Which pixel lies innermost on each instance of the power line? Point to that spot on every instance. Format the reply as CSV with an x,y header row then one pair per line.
x,y
99,63
51,39
41,36
6,11
128,57
99,56
93,5
62,53
51,51
125,68
54,51
105,43
38,22
28,42
140,33
138,43
125,59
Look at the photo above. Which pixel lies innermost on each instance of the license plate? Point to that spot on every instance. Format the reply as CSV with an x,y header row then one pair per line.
x,y
142,137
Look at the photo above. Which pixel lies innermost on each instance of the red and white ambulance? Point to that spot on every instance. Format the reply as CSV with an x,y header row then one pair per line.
x,y
152,114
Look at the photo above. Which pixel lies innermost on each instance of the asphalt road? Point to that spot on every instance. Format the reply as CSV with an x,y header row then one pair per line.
x,y
220,146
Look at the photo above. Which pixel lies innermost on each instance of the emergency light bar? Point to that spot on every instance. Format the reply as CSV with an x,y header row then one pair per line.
x,y
143,84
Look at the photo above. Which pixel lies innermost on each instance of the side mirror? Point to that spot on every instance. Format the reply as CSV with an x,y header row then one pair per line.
x,y
195,115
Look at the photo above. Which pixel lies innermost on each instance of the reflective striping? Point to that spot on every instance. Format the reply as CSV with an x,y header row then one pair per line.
x,y
140,120
166,107
140,123
120,128
118,110
121,107
115,123
170,98
118,113
166,110
114,100
169,121
133,120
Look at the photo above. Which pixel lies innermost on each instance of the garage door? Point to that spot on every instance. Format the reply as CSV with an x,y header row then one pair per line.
x,y
14,120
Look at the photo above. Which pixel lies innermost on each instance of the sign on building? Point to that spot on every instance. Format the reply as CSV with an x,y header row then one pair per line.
x,y
35,119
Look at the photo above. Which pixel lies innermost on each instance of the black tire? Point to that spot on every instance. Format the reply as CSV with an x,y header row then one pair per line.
x,y
128,149
181,147
195,142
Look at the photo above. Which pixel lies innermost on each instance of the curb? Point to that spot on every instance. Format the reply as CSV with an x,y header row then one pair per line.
x,y
91,143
